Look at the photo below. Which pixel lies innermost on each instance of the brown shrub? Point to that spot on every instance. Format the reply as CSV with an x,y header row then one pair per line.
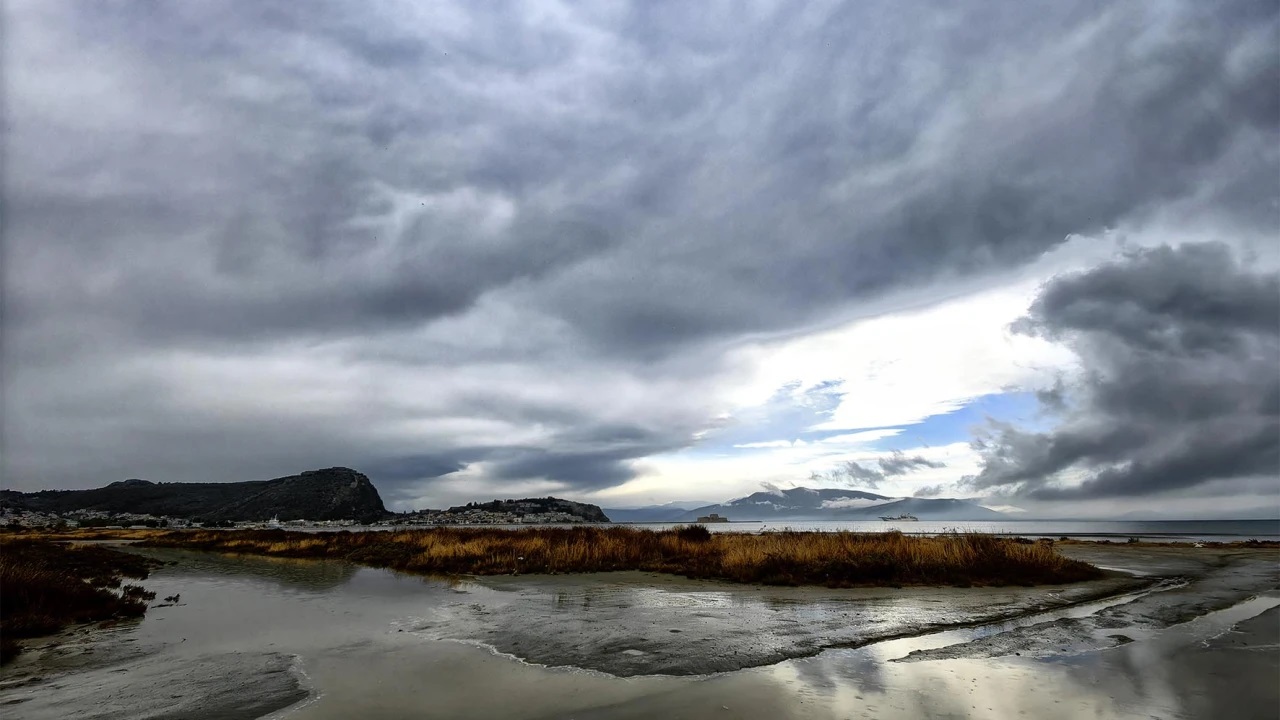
x,y
693,533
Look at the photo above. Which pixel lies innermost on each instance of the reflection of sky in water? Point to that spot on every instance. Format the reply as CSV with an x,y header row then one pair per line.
x,y
953,688
1139,680
331,613
311,575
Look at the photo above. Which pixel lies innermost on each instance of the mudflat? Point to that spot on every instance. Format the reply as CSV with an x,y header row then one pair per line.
x,y
322,639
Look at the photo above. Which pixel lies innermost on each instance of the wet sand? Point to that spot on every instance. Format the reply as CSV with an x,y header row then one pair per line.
x,y
1194,635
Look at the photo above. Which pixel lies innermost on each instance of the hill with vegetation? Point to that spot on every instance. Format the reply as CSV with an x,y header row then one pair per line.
x,y
331,494
537,506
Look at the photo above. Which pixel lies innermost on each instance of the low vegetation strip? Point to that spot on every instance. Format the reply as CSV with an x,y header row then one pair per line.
x,y
838,559
46,586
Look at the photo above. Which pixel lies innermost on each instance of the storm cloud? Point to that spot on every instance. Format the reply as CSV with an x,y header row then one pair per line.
x,y
1181,382
518,247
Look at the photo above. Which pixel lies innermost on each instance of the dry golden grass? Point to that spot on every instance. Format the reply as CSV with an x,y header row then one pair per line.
x,y
784,558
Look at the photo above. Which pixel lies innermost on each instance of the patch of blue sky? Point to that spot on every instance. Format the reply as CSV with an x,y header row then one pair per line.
x,y
1020,408
789,415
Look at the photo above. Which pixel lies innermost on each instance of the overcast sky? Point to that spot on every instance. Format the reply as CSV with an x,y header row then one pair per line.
x,y
1020,252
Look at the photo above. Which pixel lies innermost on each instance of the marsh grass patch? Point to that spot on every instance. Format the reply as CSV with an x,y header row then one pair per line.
x,y
46,586
832,559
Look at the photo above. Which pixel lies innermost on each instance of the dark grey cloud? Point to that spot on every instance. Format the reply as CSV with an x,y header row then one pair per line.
x,y
895,464
550,211
1133,122
898,463
852,473
928,491
1181,382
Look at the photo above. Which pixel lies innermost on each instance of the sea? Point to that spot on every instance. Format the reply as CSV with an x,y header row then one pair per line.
x,y
1153,530
1116,530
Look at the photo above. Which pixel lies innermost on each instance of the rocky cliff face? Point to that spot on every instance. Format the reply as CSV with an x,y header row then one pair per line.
x,y
332,494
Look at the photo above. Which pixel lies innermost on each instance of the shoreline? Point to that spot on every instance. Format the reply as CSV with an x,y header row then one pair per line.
x,y
568,643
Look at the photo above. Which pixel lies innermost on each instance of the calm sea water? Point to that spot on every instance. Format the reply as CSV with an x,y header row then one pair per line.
x,y
1155,530
1210,530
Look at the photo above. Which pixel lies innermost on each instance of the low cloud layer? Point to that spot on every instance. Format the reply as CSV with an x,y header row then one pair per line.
x,y
849,503
852,472
1181,383
471,251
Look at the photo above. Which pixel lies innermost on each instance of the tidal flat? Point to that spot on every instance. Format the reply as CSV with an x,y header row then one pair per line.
x,y
1172,632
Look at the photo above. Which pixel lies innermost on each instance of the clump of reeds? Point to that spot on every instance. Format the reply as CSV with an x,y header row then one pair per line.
x,y
46,586
838,559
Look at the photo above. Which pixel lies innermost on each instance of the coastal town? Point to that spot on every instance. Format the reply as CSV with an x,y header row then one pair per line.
x,y
477,516
22,518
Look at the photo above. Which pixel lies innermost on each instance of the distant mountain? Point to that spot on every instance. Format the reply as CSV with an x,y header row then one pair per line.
x,y
925,509
670,512
536,506
837,504
332,494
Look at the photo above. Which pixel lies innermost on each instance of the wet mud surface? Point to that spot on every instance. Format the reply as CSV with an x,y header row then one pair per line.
x,y
1202,584
225,686
629,624
1188,634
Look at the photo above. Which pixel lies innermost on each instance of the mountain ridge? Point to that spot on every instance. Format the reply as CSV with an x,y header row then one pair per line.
x,y
805,503
667,512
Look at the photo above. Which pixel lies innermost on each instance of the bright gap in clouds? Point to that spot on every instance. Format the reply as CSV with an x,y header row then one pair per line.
x,y
914,382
